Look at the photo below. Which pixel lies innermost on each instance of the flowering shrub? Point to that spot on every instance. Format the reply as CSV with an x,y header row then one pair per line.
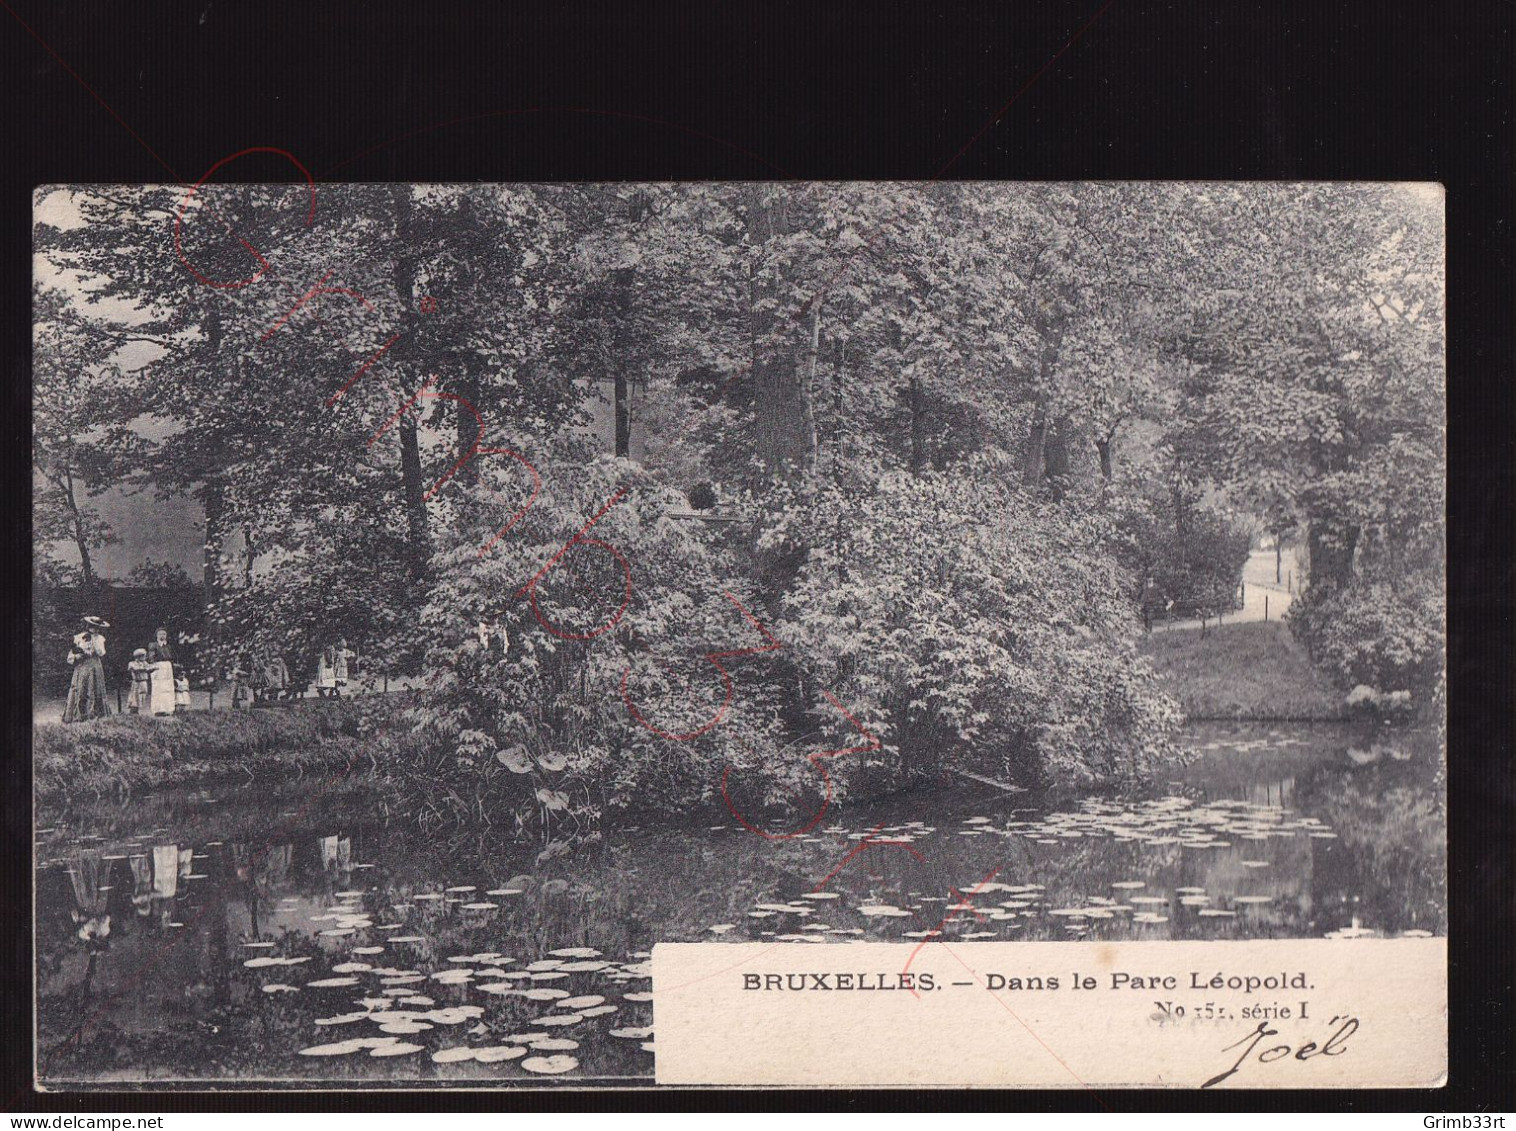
x,y
626,615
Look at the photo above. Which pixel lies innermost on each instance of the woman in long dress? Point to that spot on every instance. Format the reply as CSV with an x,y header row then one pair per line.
x,y
86,689
160,653
341,655
326,672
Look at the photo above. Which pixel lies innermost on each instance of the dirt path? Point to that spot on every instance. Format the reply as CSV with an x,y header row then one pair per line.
x,y
1263,599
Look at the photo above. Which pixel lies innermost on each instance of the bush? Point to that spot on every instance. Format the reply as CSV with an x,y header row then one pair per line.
x,y
543,730
964,622
1382,636
1188,560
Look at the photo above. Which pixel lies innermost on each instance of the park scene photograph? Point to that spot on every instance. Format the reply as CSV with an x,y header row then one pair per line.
x,y
444,593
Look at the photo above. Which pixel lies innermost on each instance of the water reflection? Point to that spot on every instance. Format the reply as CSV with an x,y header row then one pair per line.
x,y
190,938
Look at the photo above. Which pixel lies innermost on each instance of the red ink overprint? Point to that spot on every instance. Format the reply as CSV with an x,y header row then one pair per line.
x,y
318,289
714,659
579,539
263,264
870,840
474,451
815,761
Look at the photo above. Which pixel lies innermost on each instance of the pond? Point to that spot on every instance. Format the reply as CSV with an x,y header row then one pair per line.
x,y
234,936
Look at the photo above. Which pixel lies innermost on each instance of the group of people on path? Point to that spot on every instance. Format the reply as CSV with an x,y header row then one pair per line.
x,y
159,683
267,678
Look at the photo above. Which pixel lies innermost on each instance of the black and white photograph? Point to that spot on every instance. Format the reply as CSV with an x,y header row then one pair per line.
x,y
444,593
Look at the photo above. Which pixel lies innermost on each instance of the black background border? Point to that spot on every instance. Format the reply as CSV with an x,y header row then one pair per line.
x,y
96,90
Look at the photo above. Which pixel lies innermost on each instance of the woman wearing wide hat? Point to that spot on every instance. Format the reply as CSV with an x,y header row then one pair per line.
x,y
86,691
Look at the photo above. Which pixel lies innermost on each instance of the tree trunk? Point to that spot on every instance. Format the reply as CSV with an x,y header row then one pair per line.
x,y
414,493
623,411
1032,458
213,501
249,555
785,424
88,582
915,402
1278,561
808,389
1103,447
1330,551
1055,456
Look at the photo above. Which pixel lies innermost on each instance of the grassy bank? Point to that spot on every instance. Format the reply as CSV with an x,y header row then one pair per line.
x,y
1242,671
126,754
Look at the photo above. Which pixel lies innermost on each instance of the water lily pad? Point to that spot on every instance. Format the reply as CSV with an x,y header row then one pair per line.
x,y
575,952
634,1034
328,983
515,759
338,1048
258,944
560,1019
544,994
583,967
405,1028
599,1010
1129,885
368,949
454,1055
496,1053
455,1014
280,988
550,1065
581,1002
398,1049
638,997
555,1044
480,906
343,1018
463,887
351,968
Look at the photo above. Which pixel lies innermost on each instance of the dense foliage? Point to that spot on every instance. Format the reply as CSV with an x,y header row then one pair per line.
x,y
929,435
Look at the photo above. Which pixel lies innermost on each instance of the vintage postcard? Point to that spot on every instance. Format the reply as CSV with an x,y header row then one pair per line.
x,y
738,634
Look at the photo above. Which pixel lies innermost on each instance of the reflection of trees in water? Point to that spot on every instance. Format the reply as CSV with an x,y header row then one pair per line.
x,y
1387,865
621,897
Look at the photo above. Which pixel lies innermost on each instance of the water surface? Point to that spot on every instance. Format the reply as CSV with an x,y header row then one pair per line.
x,y
308,937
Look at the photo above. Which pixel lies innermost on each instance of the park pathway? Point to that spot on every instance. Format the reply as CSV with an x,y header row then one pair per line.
x,y
1263,599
